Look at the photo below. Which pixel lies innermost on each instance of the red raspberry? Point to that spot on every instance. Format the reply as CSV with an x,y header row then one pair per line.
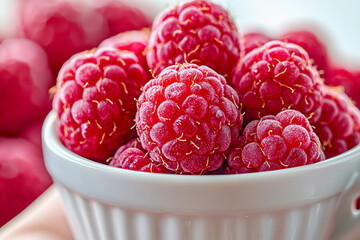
x,y
187,118
356,98
346,79
95,101
199,32
62,28
339,124
253,40
25,78
133,41
23,176
313,45
357,204
121,17
275,142
133,143
32,132
278,76
133,157
357,75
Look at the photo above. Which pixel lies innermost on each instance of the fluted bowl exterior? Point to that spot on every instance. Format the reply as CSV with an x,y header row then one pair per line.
x,y
103,202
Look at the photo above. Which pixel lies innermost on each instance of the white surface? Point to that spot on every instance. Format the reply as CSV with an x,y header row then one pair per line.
x,y
302,203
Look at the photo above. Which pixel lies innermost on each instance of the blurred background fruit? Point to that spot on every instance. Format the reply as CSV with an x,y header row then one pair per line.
x,y
22,176
64,28
350,81
311,43
36,38
134,41
25,79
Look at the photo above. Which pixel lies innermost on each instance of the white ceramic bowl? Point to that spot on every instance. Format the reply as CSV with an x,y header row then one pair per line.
x,y
313,202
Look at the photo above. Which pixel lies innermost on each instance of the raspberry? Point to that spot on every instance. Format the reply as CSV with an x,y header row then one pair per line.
x,y
339,124
278,76
275,142
23,176
25,78
253,40
356,98
95,101
199,32
357,75
187,118
357,204
121,17
313,45
32,132
62,28
346,79
133,157
133,41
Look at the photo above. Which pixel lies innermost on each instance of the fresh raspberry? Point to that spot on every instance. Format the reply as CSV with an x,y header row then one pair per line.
x,y
346,79
95,101
278,76
198,32
121,17
133,41
253,40
275,142
25,78
133,157
187,118
339,124
22,176
313,45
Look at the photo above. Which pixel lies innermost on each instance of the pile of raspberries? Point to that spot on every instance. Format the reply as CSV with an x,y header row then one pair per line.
x,y
192,95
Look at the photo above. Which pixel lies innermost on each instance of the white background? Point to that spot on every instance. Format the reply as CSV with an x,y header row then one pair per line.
x,y
338,20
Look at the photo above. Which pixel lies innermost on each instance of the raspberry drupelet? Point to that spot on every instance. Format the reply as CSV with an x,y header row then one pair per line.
x,y
199,32
278,76
95,101
187,118
339,125
275,142
133,157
